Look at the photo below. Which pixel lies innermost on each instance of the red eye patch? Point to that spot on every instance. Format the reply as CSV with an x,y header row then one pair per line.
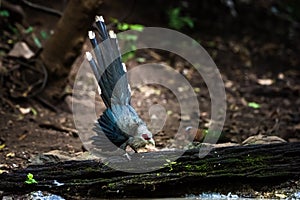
x,y
145,136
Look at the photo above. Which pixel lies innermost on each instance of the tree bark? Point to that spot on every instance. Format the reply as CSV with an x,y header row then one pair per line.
x,y
223,170
64,46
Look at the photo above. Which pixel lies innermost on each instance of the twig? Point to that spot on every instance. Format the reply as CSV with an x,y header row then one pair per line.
x,y
46,103
43,8
58,127
8,102
42,82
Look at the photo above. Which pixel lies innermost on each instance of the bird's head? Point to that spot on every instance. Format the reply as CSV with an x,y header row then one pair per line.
x,y
142,138
145,135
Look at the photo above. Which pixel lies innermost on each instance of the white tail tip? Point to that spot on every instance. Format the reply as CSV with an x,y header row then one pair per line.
x,y
112,34
99,90
124,67
88,56
99,18
92,35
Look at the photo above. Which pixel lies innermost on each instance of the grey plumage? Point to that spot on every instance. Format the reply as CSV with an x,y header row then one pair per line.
x,y
119,125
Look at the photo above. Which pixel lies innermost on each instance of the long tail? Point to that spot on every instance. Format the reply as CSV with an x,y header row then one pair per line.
x,y
108,68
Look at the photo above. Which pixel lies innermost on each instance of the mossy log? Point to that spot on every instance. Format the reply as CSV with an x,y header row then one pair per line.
x,y
222,170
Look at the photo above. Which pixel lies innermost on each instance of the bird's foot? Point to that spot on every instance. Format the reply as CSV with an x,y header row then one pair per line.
x,y
127,156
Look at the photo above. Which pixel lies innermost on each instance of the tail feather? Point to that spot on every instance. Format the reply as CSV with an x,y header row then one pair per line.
x,y
97,50
109,70
96,70
101,28
107,128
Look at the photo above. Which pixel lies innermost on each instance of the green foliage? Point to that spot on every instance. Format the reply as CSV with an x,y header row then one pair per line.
x,y
30,179
170,164
129,39
140,60
29,29
177,21
121,26
44,34
253,105
37,41
125,27
34,111
4,13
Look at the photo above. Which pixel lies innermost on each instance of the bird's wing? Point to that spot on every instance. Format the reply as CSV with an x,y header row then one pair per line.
x,y
109,136
108,68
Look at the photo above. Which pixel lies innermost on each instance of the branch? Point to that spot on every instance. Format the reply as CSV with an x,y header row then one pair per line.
x,y
223,170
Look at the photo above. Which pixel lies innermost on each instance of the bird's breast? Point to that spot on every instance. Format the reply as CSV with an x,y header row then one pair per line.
x,y
127,119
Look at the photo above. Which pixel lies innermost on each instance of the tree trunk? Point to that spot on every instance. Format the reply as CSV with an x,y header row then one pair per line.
x,y
228,169
64,46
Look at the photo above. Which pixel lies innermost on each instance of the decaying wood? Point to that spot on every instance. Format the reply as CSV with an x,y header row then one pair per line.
x,y
222,170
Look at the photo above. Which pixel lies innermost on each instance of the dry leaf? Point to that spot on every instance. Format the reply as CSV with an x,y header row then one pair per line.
x,y
265,81
24,111
2,146
3,171
21,49
11,155
185,118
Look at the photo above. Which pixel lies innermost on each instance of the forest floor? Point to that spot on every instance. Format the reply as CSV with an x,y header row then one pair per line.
x,y
257,56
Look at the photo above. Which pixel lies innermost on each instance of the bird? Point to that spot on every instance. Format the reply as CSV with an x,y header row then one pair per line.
x,y
119,125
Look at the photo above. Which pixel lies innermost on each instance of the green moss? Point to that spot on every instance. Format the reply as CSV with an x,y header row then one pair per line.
x,y
202,167
111,185
257,160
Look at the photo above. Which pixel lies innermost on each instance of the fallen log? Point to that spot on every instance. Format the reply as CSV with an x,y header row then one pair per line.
x,y
222,170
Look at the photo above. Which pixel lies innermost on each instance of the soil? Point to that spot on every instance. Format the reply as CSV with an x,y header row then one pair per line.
x,y
256,54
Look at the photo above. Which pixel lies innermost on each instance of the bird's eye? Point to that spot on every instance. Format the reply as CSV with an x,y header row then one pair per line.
x,y
145,136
